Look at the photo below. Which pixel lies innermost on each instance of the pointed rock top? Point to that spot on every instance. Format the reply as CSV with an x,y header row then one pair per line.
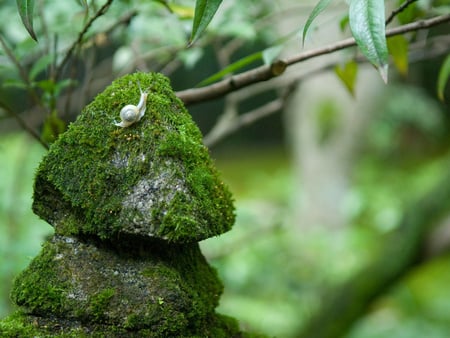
x,y
153,178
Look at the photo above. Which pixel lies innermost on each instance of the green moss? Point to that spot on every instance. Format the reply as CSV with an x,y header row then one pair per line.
x,y
19,325
169,288
14,327
100,179
38,289
100,303
134,291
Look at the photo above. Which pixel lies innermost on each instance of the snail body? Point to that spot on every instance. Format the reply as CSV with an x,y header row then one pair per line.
x,y
131,113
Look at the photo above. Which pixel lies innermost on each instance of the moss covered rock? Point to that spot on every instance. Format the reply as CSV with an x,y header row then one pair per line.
x,y
151,286
128,206
153,179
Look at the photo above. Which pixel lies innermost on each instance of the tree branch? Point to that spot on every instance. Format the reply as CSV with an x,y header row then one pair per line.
x,y
86,27
234,123
23,124
22,72
229,124
267,72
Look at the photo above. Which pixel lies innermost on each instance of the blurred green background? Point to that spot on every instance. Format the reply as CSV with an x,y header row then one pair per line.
x,y
275,265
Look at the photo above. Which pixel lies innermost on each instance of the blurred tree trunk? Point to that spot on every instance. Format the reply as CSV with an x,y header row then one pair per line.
x,y
325,123
327,127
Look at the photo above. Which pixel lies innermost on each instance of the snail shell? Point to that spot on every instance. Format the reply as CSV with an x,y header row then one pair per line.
x,y
131,113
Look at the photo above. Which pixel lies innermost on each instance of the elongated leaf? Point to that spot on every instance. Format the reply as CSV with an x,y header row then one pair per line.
x,y
444,74
232,68
347,75
25,8
398,49
14,83
366,18
204,12
321,5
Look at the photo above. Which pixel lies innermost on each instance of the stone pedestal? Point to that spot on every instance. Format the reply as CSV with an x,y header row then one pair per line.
x,y
128,206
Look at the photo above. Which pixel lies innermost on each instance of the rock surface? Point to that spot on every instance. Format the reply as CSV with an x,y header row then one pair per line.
x,y
153,179
128,206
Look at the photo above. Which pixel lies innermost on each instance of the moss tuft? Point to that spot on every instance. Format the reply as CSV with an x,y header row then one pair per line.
x,y
37,288
100,303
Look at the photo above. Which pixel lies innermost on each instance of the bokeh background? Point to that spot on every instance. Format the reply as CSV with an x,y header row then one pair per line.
x,y
319,184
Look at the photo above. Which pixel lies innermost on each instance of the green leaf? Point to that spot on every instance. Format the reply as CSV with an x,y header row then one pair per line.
x,y
398,48
343,23
366,18
444,74
411,13
204,12
25,8
14,83
321,5
46,85
347,75
232,68
39,66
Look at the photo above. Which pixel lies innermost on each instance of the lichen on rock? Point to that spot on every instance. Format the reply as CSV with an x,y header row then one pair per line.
x,y
154,178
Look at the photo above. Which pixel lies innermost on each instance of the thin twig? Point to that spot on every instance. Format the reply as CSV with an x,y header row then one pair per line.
x,y
267,72
395,12
243,120
79,40
22,72
123,20
237,122
23,124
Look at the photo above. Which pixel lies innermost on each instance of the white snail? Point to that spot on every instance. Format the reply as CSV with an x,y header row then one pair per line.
x,y
131,113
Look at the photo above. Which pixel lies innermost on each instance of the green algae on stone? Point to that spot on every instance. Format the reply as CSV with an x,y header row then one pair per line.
x,y
154,178
169,291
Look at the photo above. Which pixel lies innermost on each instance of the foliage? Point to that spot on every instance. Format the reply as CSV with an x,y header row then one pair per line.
x,y
366,19
26,8
444,74
204,12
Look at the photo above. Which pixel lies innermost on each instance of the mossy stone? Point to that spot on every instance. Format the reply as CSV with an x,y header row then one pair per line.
x,y
157,286
20,325
154,179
